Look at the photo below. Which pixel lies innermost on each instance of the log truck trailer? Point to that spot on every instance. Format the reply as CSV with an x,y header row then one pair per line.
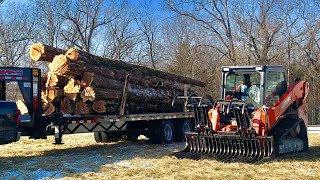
x,y
158,127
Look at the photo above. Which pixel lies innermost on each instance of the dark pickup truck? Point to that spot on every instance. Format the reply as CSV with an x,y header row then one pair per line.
x,y
9,122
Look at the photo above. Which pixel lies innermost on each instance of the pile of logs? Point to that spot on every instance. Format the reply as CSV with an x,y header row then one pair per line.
x,y
80,83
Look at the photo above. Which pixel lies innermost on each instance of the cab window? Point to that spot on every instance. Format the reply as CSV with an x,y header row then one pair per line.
x,y
275,86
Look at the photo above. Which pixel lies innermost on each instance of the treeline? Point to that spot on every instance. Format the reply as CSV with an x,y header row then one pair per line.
x,y
190,38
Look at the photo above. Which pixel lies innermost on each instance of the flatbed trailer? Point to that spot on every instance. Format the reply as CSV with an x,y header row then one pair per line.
x,y
158,127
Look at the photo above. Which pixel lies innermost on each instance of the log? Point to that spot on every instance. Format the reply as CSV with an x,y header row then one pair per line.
x,y
48,108
44,82
99,106
58,64
54,80
82,108
42,52
22,107
86,58
104,73
88,94
87,79
72,90
95,85
53,93
66,106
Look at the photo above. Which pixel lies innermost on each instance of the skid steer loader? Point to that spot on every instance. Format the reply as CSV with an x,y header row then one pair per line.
x,y
257,117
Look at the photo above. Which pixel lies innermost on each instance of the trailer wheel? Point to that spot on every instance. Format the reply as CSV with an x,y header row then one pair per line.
x,y
181,128
163,133
132,138
97,137
104,137
108,137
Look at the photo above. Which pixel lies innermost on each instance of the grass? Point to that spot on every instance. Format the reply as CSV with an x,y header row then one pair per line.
x,y
82,158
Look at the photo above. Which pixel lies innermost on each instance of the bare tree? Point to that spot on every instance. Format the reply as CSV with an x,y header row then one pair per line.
x,y
49,20
149,27
84,20
260,27
15,34
120,36
212,15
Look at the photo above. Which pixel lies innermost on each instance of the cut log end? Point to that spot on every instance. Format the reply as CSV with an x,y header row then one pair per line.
x,y
99,106
72,54
82,108
36,51
48,109
58,64
71,87
66,106
88,94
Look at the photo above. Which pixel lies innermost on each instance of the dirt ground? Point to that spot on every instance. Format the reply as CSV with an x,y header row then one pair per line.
x,y
82,158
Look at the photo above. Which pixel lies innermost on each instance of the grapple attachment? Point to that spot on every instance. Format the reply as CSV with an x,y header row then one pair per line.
x,y
226,148
236,145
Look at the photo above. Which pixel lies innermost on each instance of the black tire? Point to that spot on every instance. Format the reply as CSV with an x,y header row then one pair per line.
x,y
97,137
104,137
162,133
181,128
7,137
131,138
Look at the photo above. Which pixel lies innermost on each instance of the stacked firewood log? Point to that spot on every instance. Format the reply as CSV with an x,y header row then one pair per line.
x,y
80,83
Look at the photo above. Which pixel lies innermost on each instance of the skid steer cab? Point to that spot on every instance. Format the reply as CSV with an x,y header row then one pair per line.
x,y
258,116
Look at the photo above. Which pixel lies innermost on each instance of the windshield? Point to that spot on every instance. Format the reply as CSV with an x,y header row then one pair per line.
x,y
243,86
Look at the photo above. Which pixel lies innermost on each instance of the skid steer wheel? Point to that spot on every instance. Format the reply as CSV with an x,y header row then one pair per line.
x,y
162,132
97,137
181,128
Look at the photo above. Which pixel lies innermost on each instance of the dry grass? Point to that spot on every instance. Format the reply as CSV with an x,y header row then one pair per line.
x,y
82,158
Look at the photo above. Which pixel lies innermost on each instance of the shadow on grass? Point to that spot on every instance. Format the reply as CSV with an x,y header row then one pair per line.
x,y
313,154
65,162
56,163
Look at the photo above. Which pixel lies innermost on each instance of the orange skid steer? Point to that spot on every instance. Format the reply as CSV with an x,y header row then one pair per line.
x,y
258,117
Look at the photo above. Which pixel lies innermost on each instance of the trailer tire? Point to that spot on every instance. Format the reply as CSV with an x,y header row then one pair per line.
x,y
104,137
162,132
108,137
181,128
97,137
131,138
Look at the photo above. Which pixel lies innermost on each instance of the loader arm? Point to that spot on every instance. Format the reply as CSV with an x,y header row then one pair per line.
x,y
297,93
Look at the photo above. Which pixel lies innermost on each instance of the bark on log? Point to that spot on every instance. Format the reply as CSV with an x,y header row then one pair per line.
x,y
53,93
66,106
104,73
85,57
42,52
56,80
87,79
82,108
95,85
99,106
48,108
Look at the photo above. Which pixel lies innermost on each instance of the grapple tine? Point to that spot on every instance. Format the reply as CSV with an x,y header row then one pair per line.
x,y
226,148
